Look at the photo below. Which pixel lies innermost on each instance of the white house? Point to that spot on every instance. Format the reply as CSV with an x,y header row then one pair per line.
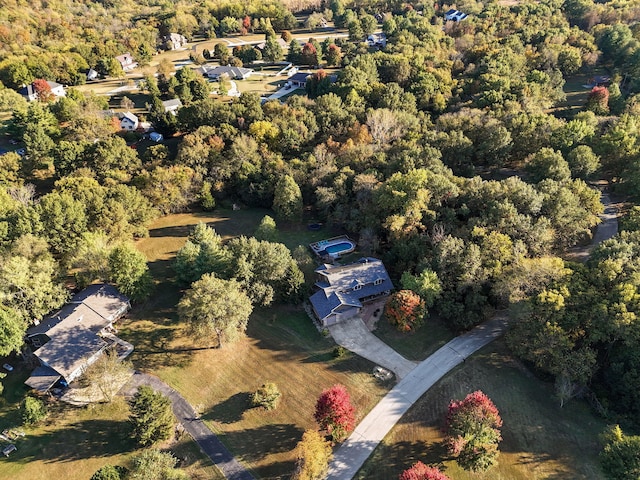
x,y
129,122
172,105
127,62
174,41
92,74
234,73
455,15
29,91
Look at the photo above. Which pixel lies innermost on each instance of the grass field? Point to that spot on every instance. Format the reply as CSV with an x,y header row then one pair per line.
x,y
74,442
415,346
540,440
281,346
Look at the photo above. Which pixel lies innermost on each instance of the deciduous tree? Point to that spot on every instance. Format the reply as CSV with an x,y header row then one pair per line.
x,y
420,471
334,412
129,271
216,306
473,431
313,454
406,310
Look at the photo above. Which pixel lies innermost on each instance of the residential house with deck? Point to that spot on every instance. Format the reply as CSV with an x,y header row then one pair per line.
x,y
344,289
68,341
126,62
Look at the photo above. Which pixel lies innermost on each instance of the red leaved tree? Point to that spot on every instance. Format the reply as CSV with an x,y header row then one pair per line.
x,y
43,90
310,54
473,431
598,100
406,310
420,471
334,412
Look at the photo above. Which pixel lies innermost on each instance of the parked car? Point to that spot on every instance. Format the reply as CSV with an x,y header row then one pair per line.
x,y
7,367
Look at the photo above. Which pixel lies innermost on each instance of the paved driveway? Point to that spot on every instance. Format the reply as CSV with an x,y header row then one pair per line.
x,y
186,415
354,335
375,426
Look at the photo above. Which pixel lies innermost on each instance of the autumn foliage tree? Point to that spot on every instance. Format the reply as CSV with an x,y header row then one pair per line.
x,y
473,431
598,100
334,412
313,454
406,310
420,471
43,90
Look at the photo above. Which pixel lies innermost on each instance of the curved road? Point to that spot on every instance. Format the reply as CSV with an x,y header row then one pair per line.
x,y
186,415
374,427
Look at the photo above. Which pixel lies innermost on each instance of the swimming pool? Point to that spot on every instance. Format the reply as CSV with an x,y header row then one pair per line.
x,y
338,248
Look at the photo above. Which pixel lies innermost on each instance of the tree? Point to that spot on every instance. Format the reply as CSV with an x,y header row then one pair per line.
x,y
108,472
272,50
129,271
473,431
33,411
426,284
287,199
620,457
598,100
267,396
267,230
548,163
216,306
203,253
108,374
12,330
310,55
583,162
155,465
151,417
43,90
334,412
406,310
420,471
334,55
313,454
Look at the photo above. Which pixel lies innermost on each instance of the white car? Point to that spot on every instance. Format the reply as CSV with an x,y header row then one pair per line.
x,y
7,367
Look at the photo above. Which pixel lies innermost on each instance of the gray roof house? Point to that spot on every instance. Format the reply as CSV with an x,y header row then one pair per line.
x,y
129,122
172,105
343,289
234,73
70,340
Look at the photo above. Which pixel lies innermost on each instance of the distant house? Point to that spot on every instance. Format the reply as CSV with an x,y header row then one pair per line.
x,y
29,91
174,41
377,40
129,122
343,289
234,73
299,80
127,62
455,15
70,340
172,105
284,45
92,74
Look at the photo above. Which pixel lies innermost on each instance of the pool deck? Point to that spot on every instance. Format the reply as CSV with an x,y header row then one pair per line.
x,y
320,246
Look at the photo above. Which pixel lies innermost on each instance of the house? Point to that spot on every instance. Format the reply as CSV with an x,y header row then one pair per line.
x,y
73,338
92,75
455,15
284,45
172,105
129,122
343,289
174,41
29,91
299,80
234,73
377,40
126,62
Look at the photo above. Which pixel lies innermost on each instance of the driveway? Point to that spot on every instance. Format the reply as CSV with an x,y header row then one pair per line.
x,y
375,426
607,228
186,415
354,335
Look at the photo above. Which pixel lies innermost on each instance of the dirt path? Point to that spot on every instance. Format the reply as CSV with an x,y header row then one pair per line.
x,y
186,415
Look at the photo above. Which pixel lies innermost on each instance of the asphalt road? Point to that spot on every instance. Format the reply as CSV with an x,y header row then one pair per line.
x,y
186,415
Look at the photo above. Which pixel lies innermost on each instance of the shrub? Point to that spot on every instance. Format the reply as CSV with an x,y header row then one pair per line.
x,y
339,351
406,310
266,396
33,411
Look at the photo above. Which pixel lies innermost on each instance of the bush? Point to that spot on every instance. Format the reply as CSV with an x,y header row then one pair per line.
x,y
33,411
339,351
109,472
266,396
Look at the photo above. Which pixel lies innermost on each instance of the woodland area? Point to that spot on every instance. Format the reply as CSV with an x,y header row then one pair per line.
x,y
448,154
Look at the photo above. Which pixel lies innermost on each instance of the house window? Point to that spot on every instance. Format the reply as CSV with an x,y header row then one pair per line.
x,y
357,287
378,281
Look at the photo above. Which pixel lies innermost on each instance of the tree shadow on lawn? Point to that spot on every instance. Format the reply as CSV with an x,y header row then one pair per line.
x,y
389,460
256,443
81,440
230,410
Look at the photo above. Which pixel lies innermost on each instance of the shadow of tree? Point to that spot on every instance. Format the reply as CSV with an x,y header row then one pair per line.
x,y
389,460
80,440
253,444
230,410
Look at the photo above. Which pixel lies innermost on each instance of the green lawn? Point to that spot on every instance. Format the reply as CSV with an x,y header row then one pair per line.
x,y
282,346
415,346
540,440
